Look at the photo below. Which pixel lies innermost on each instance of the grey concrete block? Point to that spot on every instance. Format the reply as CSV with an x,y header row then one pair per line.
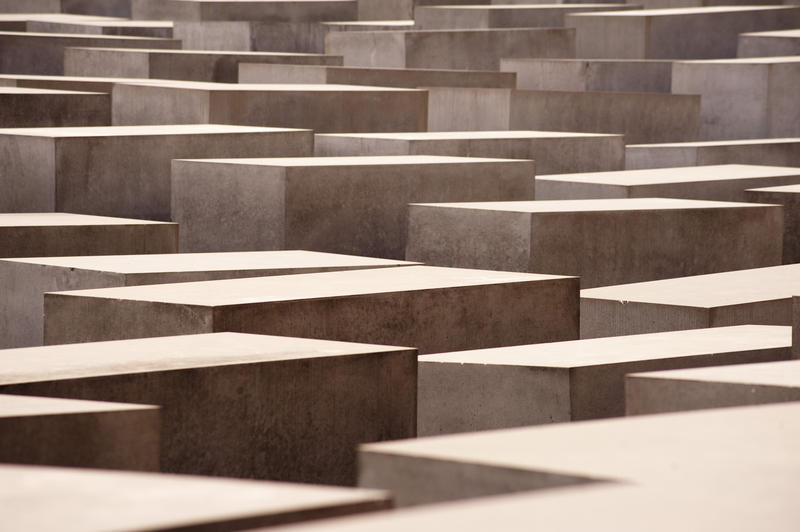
x,y
240,405
796,326
433,309
68,83
262,10
467,391
456,17
22,107
354,205
769,43
109,8
95,25
776,152
789,197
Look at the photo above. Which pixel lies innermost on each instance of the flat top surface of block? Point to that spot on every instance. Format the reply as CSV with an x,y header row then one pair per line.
x,y
268,87
515,7
449,135
684,174
25,405
785,373
56,17
776,33
312,286
26,90
134,131
749,60
594,205
370,160
620,349
786,189
169,353
709,291
194,52
44,219
688,11
744,142
200,262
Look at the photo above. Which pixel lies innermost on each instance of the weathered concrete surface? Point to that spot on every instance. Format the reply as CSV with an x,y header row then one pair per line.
x,y
54,234
73,433
789,197
467,391
760,296
96,25
796,326
68,83
455,17
21,107
776,152
769,43
605,242
433,309
108,8
105,501
553,151
263,10
24,281
240,405
120,171
355,205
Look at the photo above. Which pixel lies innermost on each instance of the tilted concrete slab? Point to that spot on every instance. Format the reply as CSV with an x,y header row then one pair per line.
x,y
240,405
53,234
433,309
22,107
68,83
789,197
450,17
604,241
92,25
354,205
105,501
467,391
75,433
762,295
776,152
769,43
121,171
553,151
24,281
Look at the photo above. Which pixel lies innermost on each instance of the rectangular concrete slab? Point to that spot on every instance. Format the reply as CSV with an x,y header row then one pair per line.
x,y
85,24
240,405
354,205
604,241
762,295
789,197
433,309
121,171
776,152
266,10
75,433
467,391
769,43
21,107
503,16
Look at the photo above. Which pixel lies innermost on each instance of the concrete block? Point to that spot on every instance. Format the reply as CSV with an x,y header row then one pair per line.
x,y
769,43
21,107
459,49
191,65
68,83
386,9
24,281
553,151
593,75
789,197
323,108
467,391
120,171
433,309
263,10
69,432
68,23
108,8
710,447
240,405
354,205
679,33
105,501
669,4
53,234
761,296
796,326
726,182
503,16
605,242
775,152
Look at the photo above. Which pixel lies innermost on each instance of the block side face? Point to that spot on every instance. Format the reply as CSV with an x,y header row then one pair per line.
x,y
774,154
27,175
462,109
796,326
783,115
641,157
791,219
135,105
368,49
22,110
770,312
562,190
214,35
633,76
106,63
610,37
601,317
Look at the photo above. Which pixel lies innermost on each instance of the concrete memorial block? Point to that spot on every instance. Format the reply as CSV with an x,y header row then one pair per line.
x,y
234,10
769,43
762,296
796,326
703,388
679,33
120,171
53,234
383,77
592,75
65,23
605,241
354,205
455,17
78,500
467,391
192,65
386,9
22,107
323,108
43,53
763,91
453,49
108,8
714,447
69,432
725,182
433,309
68,83
553,151
24,281
776,152
789,197
236,404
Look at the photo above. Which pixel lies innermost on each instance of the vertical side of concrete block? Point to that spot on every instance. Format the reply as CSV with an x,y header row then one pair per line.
x,y
28,174
608,317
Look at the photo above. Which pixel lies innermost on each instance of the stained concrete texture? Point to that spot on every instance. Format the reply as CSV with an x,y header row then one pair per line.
x,y
789,197
769,43
24,281
231,402
265,10
467,391
69,83
108,8
604,241
433,309
796,326
77,500
776,152
762,295
354,205
75,433
53,234
22,107
503,16
84,24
